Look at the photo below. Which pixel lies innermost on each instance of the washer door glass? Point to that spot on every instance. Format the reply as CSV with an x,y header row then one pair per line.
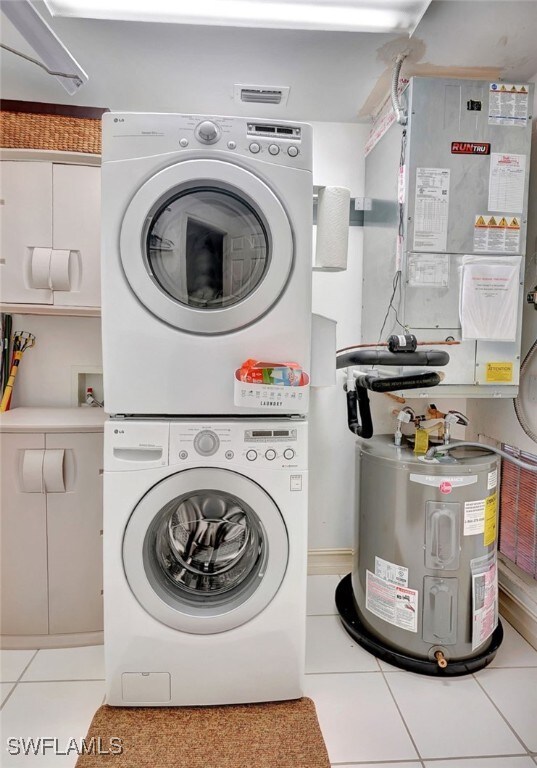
x,y
205,550
207,248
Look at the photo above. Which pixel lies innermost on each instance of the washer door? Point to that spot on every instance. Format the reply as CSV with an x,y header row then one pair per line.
x,y
206,246
205,550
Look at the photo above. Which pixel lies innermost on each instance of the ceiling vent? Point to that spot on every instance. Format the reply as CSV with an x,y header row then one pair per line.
x,y
261,94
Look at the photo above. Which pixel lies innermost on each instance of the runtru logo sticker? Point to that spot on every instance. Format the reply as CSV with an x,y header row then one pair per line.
x,y
470,148
44,745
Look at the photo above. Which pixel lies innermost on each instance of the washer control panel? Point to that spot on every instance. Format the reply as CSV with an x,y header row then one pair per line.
x,y
236,443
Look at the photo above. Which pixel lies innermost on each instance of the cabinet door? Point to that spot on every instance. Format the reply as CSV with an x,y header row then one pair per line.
x,y
23,537
74,517
75,265
26,225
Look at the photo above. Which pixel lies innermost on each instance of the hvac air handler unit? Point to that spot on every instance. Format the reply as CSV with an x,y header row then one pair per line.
x,y
446,229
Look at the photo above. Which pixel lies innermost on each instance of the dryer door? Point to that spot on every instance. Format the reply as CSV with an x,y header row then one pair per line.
x,y
205,550
206,246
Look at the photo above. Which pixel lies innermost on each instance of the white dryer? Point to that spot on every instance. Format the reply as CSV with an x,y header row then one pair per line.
x,y
206,257
205,546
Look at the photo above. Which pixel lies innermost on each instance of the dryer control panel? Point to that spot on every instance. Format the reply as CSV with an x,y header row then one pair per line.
x,y
129,135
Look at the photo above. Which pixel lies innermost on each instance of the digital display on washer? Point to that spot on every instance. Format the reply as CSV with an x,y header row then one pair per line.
x,y
264,434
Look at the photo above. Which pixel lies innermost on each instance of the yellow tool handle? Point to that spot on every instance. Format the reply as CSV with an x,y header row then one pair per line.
x,y
9,386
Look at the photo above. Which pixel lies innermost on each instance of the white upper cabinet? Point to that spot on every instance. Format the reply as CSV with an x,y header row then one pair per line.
x,y
50,234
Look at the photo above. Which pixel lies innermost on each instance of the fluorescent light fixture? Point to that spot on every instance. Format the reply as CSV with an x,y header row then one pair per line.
x,y
52,52
336,15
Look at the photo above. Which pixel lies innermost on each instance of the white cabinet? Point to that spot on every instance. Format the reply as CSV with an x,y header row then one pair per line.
x,y
50,224
51,526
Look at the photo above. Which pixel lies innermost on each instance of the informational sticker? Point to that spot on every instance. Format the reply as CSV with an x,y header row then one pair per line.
x,y
508,104
506,182
498,373
474,517
431,210
425,269
492,480
394,574
392,603
295,483
384,120
489,534
437,480
496,234
484,603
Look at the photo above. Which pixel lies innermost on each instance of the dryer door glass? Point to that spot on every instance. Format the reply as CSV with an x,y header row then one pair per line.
x,y
207,248
205,550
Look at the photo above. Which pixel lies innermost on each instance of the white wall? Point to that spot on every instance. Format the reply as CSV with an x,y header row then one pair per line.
x,y
44,377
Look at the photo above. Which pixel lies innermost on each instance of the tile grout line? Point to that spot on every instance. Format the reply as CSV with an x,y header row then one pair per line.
x,y
17,681
401,716
511,728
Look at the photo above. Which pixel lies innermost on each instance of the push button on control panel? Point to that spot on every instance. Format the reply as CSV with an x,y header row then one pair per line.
x,y
206,443
274,149
288,454
254,147
270,454
251,455
292,151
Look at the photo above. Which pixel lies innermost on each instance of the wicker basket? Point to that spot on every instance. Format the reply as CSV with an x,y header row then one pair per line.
x,y
27,130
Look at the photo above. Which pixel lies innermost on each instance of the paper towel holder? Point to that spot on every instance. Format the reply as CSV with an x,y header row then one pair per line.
x,y
357,207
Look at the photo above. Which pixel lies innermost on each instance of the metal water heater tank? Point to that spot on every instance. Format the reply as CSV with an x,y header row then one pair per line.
x,y
423,593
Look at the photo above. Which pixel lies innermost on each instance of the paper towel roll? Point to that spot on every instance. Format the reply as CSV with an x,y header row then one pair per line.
x,y
332,228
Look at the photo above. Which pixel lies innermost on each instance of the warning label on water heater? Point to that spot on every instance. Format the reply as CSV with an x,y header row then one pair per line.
x,y
395,604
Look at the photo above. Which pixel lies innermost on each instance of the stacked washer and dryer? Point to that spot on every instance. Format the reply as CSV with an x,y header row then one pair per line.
x,y
207,227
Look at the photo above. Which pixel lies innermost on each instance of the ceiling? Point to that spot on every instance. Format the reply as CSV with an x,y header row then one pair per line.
x,y
333,76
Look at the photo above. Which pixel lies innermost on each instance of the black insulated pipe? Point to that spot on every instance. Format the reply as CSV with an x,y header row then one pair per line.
x,y
425,358
393,383
362,426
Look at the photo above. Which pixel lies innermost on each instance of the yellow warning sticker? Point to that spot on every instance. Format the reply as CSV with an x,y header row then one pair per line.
x,y
489,535
496,234
499,372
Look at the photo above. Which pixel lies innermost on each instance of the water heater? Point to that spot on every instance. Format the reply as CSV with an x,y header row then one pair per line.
x,y
445,236
423,593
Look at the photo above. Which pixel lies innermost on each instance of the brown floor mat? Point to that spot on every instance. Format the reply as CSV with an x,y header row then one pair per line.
x,y
282,734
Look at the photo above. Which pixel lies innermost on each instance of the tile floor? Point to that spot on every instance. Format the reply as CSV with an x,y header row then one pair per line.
x,y
372,715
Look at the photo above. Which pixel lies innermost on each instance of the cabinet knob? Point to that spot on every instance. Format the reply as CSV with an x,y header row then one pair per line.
x,y
40,268
53,470
32,471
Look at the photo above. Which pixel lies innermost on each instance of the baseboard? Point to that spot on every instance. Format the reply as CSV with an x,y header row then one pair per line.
x,y
323,562
30,642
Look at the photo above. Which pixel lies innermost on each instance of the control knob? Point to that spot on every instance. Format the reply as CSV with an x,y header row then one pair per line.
x,y
288,453
251,455
208,132
270,454
206,443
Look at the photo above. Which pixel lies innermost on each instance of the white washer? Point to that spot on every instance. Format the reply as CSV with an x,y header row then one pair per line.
x,y
206,257
205,548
